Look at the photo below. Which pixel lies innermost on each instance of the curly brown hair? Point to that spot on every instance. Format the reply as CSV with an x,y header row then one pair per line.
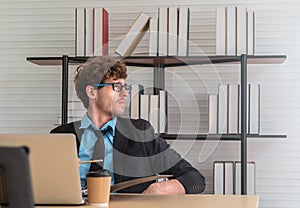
x,y
96,70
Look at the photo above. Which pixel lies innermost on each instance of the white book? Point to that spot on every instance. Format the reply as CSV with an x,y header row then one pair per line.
x,y
247,110
80,31
183,31
233,109
144,107
222,108
228,177
254,109
212,114
163,31
218,178
250,32
221,30
241,30
231,31
153,36
134,35
172,31
135,93
100,32
162,111
89,31
251,178
154,111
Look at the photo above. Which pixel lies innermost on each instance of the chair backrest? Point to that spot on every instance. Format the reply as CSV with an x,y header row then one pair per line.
x,y
15,183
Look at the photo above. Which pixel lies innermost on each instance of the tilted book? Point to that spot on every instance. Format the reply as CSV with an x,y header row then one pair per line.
x,y
134,35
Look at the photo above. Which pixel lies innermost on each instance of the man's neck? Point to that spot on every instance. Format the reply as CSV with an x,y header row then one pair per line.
x,y
98,118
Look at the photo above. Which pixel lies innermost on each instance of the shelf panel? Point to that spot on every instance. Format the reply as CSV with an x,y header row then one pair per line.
x,y
223,137
166,61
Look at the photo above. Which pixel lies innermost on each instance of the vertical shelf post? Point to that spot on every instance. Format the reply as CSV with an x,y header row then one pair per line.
x,y
244,124
158,78
64,94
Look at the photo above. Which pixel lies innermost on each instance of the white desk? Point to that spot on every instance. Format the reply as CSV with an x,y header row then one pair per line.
x,y
176,201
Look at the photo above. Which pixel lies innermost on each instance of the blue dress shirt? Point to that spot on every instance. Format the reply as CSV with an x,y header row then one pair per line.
x,y
88,141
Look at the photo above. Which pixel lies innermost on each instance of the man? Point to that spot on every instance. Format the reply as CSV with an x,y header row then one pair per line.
x,y
129,146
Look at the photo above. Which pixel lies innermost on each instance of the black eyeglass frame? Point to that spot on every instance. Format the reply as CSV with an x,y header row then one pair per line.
x,y
116,86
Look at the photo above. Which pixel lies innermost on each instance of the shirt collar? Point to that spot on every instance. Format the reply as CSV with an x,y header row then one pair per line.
x,y
86,122
112,124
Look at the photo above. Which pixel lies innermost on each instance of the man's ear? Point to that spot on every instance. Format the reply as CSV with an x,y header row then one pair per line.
x,y
90,91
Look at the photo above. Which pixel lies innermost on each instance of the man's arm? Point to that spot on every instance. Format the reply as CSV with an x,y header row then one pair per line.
x,y
165,160
172,186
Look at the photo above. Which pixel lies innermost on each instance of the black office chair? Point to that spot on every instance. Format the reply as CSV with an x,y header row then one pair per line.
x,y
15,183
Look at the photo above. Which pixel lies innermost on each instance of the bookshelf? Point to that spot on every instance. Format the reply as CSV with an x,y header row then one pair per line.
x,y
158,63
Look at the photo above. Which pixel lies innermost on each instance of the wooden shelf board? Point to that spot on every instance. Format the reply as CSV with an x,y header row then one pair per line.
x,y
223,137
166,61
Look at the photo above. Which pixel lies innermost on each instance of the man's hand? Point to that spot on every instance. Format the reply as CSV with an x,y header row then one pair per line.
x,y
166,187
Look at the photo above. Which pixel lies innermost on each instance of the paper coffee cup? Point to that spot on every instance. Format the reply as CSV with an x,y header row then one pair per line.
x,y
98,185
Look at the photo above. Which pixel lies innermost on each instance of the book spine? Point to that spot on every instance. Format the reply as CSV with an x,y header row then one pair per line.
x,y
89,24
228,177
144,107
172,31
163,31
233,109
231,30
153,37
241,30
183,31
136,91
80,32
105,29
254,109
212,114
163,111
221,30
218,178
98,31
250,32
223,109
154,112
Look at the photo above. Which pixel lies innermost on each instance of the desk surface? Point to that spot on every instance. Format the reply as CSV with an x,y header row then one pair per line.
x,y
176,201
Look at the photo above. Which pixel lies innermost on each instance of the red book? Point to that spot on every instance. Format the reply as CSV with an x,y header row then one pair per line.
x,y
100,32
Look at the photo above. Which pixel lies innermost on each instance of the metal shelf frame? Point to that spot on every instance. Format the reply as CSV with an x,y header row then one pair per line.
x,y
158,63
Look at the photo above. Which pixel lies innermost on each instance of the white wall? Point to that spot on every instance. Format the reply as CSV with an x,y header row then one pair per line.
x,y
30,94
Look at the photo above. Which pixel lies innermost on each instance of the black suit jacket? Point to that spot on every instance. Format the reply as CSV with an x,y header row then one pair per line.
x,y
138,152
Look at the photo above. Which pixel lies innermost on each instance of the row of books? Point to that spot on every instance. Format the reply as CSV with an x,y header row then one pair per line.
x,y
168,33
189,114
225,110
91,31
227,177
234,30
152,108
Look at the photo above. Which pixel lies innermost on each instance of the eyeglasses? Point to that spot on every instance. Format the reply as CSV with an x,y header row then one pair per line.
x,y
116,86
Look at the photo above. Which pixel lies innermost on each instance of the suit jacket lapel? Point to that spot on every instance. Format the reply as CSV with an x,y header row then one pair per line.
x,y
120,146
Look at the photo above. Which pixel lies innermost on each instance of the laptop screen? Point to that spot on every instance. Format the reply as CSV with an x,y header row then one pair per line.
x,y
53,164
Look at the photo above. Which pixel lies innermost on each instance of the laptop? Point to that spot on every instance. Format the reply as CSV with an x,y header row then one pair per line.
x,y
53,164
